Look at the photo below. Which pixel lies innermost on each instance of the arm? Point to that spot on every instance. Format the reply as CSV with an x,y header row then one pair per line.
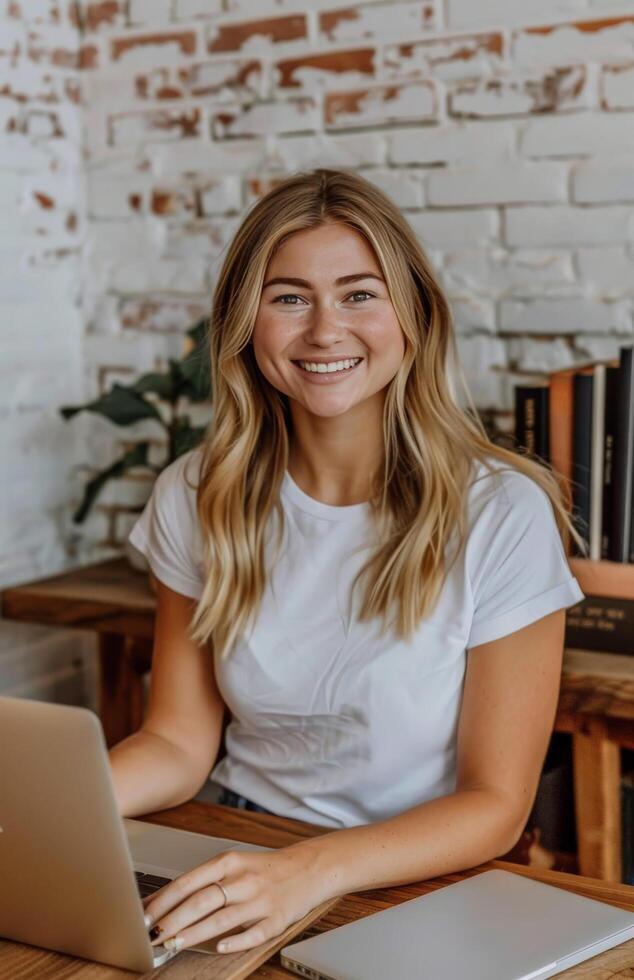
x,y
507,714
167,761
506,720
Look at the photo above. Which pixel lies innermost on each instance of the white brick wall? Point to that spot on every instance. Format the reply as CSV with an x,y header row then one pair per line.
x,y
504,130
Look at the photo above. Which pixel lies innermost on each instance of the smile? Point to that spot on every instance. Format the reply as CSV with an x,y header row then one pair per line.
x,y
326,373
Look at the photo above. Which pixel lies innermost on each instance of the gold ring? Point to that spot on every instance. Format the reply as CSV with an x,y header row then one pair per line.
x,y
223,892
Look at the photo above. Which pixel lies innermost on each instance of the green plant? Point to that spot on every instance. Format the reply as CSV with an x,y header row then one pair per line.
x,y
189,378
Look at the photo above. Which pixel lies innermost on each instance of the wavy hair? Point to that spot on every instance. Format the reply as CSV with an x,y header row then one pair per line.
x,y
430,442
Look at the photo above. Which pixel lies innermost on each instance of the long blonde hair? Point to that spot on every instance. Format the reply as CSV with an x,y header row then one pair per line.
x,y
430,442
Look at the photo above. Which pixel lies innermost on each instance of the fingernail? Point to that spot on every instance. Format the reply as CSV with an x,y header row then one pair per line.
x,y
176,943
155,932
221,947
148,920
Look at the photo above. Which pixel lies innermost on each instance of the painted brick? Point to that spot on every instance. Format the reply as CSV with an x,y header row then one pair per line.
x,y
381,106
609,178
220,195
568,226
568,315
147,13
462,56
256,35
265,118
450,228
589,347
483,360
62,50
198,156
495,271
190,9
310,72
36,11
148,274
161,314
610,38
607,272
578,134
168,124
350,150
452,143
538,354
403,187
507,183
465,13
554,91
110,198
138,49
472,313
224,81
617,87
376,22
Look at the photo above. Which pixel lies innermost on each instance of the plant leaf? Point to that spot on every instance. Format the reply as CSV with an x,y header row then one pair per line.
x,y
121,405
137,456
187,436
158,384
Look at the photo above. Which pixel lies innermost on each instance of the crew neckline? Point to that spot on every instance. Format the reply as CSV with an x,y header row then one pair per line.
x,y
318,508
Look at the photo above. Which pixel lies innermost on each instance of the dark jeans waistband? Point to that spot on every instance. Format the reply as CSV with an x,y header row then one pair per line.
x,y
229,798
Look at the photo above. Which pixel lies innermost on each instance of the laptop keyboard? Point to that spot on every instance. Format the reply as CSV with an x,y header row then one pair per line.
x,y
147,884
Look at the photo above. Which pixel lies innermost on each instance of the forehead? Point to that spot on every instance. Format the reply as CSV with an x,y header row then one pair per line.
x,y
329,248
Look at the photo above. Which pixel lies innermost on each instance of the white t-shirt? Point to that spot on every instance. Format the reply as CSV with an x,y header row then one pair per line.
x,y
330,723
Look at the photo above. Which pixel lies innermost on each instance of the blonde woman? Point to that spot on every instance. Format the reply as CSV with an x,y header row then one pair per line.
x,y
373,589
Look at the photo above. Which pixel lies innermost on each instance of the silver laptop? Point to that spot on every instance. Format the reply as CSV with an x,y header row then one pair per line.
x,y
495,925
72,871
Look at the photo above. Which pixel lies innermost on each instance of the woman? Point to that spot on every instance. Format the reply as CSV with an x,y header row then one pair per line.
x,y
344,536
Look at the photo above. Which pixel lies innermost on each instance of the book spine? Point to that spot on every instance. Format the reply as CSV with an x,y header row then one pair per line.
x,y
609,430
582,453
623,472
603,624
532,420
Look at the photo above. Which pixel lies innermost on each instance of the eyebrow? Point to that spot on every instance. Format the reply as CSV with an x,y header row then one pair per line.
x,y
304,284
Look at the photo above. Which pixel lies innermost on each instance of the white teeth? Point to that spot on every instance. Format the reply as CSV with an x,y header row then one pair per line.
x,y
321,368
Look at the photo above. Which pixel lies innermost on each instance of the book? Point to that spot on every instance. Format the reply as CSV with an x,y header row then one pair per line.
x,y
622,545
603,624
532,419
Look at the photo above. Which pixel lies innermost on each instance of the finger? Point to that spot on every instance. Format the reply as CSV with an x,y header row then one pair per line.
x,y
192,910
260,933
178,890
214,925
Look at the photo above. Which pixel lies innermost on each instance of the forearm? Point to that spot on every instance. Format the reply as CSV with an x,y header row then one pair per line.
x,y
151,773
438,837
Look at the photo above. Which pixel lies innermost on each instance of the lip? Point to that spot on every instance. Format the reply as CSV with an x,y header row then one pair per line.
x,y
326,377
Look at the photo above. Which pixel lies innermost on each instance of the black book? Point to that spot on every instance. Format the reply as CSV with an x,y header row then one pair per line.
x,y
532,420
583,385
603,624
622,545
609,435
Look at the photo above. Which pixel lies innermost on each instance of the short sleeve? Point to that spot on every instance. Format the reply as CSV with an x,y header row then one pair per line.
x,y
517,565
167,532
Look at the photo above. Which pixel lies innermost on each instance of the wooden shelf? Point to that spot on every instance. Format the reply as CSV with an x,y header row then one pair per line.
x,y
606,578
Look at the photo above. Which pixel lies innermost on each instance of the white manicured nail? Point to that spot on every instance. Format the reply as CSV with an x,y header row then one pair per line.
x,y
148,920
176,943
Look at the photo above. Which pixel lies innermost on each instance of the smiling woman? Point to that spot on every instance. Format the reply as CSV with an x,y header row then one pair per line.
x,y
410,717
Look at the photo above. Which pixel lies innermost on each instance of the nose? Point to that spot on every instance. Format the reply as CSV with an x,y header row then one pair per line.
x,y
324,329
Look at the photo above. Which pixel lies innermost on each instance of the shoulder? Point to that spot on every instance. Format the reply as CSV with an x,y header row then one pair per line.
x,y
501,486
177,484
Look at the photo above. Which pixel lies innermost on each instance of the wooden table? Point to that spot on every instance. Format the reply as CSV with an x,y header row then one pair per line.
x,y
596,703
18,960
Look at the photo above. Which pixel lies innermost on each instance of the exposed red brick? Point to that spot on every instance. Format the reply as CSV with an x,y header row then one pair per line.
x,y
88,56
186,40
493,43
329,20
200,79
259,186
187,121
361,60
106,12
231,37
71,221
548,93
172,201
587,26
351,102
44,200
161,315
135,201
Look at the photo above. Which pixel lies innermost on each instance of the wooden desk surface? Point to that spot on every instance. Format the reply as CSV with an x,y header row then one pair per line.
x,y
18,960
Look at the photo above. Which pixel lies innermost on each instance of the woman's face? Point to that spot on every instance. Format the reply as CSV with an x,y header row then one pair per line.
x,y
308,314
